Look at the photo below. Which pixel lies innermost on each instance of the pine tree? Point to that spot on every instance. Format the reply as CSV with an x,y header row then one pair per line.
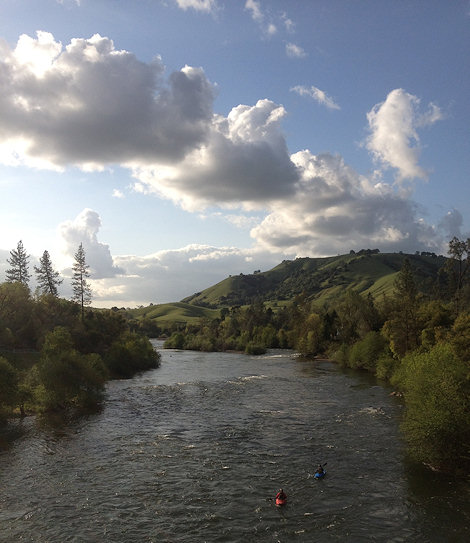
x,y
80,285
402,326
47,277
19,263
458,267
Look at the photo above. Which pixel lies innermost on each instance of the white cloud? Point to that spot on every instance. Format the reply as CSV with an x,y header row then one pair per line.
x,y
318,95
198,5
295,51
84,229
89,105
118,193
335,209
254,8
244,163
38,55
169,276
271,29
288,23
394,140
257,14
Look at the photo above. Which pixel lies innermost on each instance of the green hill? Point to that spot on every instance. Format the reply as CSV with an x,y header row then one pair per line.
x,y
321,279
173,313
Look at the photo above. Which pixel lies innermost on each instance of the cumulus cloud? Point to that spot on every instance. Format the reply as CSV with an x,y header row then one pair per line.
x,y
244,163
198,5
335,209
171,275
84,229
318,95
295,51
89,105
394,139
451,224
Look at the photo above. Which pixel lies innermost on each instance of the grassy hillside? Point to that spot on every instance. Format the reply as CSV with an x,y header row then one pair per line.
x,y
322,279
173,312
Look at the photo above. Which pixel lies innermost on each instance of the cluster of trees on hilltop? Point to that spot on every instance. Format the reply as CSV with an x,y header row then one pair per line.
x,y
54,354
418,342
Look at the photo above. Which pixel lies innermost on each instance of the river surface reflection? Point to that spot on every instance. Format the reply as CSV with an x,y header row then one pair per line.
x,y
195,450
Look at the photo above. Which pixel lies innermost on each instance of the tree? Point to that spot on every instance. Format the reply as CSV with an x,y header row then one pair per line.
x,y
80,285
458,266
8,388
67,378
19,262
16,316
402,327
437,397
47,277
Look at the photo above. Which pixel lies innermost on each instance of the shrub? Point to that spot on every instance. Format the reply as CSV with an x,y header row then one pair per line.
x,y
254,349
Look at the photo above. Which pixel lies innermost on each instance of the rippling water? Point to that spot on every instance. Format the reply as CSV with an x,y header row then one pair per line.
x,y
195,450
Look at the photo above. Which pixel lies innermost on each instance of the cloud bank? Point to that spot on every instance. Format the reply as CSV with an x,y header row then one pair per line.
x,y
89,105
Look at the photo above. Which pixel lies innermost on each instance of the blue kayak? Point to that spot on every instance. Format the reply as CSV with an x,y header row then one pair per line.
x,y
320,475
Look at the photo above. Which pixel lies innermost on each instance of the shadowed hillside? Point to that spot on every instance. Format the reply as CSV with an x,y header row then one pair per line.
x,y
321,279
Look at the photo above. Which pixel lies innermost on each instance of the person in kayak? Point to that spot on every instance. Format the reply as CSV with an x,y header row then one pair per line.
x,y
281,496
320,470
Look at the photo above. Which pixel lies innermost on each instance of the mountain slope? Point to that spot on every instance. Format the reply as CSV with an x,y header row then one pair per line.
x,y
321,279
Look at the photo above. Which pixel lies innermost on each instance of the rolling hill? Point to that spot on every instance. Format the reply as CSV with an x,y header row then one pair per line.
x,y
321,279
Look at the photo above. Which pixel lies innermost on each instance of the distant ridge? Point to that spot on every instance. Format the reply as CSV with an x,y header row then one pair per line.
x,y
321,279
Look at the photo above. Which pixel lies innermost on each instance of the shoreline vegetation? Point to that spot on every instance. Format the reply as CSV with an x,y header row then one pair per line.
x,y
54,359
57,355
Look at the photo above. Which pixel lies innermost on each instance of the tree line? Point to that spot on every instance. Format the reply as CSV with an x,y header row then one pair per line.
x,y
55,354
418,342
48,278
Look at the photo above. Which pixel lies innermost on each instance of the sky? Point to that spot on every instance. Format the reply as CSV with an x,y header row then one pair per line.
x,y
183,141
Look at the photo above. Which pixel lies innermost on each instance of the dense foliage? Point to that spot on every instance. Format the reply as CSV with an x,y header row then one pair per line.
x,y
53,359
416,338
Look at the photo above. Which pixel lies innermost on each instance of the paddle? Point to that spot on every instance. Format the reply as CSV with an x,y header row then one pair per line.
x,y
320,471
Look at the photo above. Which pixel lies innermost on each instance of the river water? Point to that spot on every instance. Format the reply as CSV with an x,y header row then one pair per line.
x,y
195,450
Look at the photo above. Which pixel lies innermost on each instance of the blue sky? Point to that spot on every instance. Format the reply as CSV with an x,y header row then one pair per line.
x,y
182,141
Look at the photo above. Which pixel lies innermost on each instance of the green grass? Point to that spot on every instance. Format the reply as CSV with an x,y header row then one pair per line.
x,y
323,280
173,312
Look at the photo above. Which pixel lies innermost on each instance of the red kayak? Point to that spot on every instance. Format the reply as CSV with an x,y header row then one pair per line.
x,y
281,501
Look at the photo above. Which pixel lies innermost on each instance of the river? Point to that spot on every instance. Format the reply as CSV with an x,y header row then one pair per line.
x,y
195,450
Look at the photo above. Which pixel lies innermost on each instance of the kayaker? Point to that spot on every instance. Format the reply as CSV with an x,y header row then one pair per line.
x,y
281,495
320,470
